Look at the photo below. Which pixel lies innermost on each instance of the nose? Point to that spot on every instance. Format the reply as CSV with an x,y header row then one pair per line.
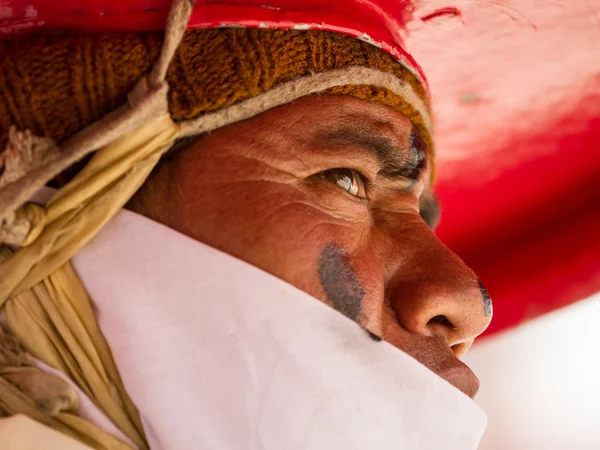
x,y
433,293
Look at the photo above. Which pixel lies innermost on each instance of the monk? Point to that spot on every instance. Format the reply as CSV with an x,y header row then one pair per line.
x,y
308,155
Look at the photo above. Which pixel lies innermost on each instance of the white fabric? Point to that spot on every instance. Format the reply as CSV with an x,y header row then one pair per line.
x,y
217,354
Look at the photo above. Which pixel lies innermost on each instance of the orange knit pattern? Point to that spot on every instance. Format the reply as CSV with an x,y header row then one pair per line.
x,y
55,85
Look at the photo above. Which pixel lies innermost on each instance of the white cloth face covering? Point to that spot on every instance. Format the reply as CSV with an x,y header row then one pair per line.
x,y
217,354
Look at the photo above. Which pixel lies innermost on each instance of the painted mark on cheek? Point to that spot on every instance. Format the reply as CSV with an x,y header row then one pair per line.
x,y
339,281
487,300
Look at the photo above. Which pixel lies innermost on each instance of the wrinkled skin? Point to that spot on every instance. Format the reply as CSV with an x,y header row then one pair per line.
x,y
260,190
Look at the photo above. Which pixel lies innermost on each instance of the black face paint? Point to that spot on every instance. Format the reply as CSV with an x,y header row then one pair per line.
x,y
487,300
339,281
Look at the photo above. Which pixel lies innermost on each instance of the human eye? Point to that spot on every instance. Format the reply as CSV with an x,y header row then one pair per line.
x,y
348,179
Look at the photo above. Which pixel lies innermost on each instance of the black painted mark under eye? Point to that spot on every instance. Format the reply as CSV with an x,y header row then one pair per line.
x,y
339,281
487,300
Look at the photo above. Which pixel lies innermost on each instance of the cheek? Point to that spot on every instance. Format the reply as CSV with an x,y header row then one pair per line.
x,y
324,256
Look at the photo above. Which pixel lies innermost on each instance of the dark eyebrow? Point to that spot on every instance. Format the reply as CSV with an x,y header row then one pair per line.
x,y
396,160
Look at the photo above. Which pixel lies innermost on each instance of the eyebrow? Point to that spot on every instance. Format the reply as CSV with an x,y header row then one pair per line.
x,y
397,161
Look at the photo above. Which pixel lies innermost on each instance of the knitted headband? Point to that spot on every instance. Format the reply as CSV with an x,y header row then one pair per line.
x,y
56,85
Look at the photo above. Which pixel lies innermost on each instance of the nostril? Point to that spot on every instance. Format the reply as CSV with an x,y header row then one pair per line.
x,y
441,320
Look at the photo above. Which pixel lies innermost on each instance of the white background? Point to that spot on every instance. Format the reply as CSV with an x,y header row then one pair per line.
x,y
540,382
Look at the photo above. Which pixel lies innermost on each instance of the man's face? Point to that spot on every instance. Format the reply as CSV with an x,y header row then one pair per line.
x,y
325,193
